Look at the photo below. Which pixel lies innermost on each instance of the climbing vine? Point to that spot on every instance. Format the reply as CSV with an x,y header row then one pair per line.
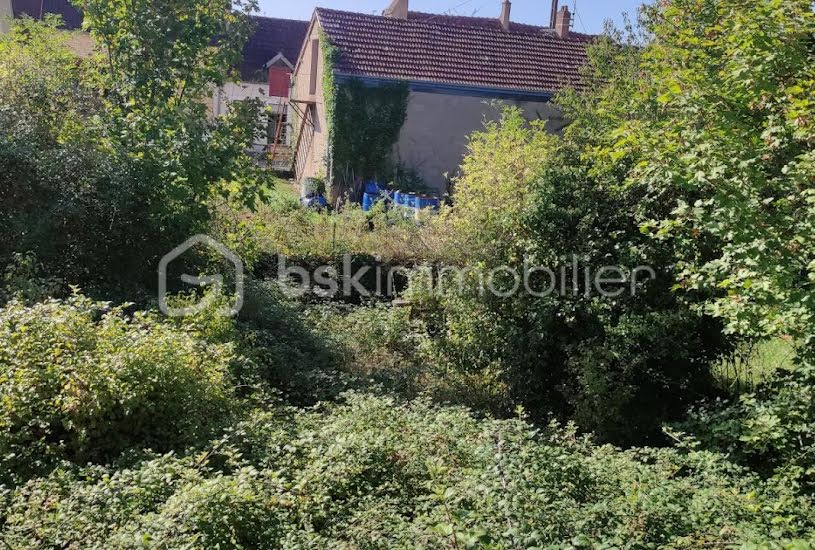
x,y
363,122
331,55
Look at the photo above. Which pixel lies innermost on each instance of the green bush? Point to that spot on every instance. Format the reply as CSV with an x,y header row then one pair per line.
x,y
242,510
163,502
620,365
392,348
771,430
283,353
709,124
723,127
642,372
25,281
82,381
374,472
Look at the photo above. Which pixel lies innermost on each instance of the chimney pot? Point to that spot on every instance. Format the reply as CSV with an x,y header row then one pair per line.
x,y
506,11
397,10
563,24
553,15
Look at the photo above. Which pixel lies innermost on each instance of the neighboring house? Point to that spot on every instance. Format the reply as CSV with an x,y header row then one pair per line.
x,y
5,13
454,67
268,62
265,72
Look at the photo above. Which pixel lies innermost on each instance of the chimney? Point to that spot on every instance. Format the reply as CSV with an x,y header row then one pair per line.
x,y
563,23
506,10
5,16
397,10
553,16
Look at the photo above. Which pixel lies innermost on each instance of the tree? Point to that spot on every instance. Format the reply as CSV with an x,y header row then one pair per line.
x,y
716,133
724,124
110,162
159,64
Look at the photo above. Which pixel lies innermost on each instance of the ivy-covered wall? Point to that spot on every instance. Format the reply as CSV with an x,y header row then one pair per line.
x,y
363,124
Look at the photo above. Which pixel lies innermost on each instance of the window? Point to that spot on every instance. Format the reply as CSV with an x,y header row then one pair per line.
x,y
315,58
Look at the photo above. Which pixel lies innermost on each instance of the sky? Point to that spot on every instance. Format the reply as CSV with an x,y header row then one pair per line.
x,y
590,13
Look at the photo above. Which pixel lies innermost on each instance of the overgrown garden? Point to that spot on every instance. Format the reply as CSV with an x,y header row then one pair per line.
x,y
455,419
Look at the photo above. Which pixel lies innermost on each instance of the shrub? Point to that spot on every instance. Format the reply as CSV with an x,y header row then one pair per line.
x,y
375,472
492,193
242,510
572,352
163,502
25,281
770,430
391,347
283,353
82,381
724,127
644,371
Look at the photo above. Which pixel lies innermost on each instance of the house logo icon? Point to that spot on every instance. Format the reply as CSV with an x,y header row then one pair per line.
x,y
216,282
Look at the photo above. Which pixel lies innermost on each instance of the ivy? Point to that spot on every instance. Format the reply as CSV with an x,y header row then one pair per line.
x,y
363,122
330,57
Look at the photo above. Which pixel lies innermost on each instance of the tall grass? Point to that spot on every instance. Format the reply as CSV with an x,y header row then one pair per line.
x,y
282,226
754,365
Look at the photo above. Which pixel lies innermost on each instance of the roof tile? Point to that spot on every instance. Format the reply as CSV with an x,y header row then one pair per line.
x,y
271,37
469,51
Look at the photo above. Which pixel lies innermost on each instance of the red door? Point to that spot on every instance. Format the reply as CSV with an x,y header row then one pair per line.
x,y
279,81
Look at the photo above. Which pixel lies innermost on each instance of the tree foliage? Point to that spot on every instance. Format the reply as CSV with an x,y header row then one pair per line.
x,y
111,161
711,122
621,363
721,121
690,151
157,68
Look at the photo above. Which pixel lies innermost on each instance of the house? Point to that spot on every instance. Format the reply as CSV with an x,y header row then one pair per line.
x,y
265,74
454,67
265,71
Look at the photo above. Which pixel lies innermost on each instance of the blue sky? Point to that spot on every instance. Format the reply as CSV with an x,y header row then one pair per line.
x,y
591,13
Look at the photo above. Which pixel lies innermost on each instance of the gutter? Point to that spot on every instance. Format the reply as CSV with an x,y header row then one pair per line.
x,y
450,89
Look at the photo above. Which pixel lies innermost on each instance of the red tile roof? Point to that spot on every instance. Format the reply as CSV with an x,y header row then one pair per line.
x,y
451,50
271,37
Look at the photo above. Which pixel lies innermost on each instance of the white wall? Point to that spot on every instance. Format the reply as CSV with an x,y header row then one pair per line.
x,y
239,91
315,148
433,140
